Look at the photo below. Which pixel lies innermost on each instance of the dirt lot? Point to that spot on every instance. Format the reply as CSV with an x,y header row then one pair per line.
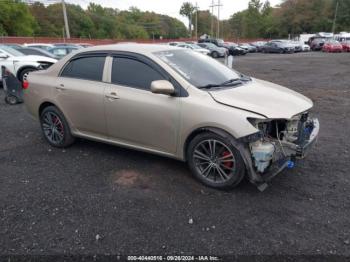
x,y
99,199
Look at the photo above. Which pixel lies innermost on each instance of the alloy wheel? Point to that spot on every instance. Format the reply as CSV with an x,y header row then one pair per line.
x,y
214,161
53,128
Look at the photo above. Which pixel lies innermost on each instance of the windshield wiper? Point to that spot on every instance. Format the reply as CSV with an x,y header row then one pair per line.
x,y
230,82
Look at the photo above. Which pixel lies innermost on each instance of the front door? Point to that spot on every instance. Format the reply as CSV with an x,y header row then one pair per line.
x,y
134,114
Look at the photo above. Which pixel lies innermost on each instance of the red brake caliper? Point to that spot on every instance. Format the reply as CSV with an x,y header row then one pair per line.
x,y
228,164
59,123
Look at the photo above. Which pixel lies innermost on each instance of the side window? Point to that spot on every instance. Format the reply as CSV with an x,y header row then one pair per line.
x,y
133,73
89,68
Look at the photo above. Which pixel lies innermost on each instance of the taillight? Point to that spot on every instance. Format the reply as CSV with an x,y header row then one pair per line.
x,y
25,84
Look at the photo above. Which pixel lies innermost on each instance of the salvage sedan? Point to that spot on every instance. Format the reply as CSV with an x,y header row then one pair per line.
x,y
176,103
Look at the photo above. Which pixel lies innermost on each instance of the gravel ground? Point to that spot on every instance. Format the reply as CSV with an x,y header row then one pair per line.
x,y
98,199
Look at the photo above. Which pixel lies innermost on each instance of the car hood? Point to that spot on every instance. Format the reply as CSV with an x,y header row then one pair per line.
x,y
264,98
34,58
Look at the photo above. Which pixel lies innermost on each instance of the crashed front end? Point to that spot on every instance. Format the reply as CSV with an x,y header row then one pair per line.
x,y
278,144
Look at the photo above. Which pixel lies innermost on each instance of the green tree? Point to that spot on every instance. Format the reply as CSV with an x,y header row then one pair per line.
x,y
204,21
16,19
187,10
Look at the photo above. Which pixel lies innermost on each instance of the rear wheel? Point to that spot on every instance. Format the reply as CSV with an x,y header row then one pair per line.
x,y
215,161
55,127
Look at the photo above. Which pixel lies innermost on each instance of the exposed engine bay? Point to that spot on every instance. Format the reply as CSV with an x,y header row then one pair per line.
x,y
281,141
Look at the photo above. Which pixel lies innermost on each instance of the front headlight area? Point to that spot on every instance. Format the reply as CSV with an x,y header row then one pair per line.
x,y
44,65
278,140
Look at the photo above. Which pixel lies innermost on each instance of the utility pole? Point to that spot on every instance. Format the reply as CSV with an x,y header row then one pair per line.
x,y
65,19
212,20
219,5
190,25
196,21
335,17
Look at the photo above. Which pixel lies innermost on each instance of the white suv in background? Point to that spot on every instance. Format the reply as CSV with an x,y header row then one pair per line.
x,y
19,64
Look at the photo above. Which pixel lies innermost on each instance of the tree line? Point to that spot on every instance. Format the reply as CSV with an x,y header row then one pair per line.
x,y
259,20
19,19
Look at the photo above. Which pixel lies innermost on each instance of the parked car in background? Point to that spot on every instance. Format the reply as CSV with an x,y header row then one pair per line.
x,y
61,51
12,45
346,46
19,64
249,48
278,47
317,44
305,47
40,45
234,49
65,44
179,104
216,41
195,48
175,43
258,45
36,51
298,47
332,46
214,50
85,45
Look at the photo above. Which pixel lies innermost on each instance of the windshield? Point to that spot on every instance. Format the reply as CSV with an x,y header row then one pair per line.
x,y
199,70
11,51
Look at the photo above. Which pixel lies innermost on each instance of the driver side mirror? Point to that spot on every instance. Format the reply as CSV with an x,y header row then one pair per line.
x,y
3,56
162,87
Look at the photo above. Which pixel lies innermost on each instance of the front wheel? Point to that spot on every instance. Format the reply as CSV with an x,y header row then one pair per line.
x,y
215,54
24,73
55,127
215,161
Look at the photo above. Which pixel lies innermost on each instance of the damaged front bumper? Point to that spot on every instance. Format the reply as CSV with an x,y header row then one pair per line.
x,y
285,153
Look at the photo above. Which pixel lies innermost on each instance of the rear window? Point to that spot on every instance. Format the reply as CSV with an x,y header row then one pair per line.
x,y
89,68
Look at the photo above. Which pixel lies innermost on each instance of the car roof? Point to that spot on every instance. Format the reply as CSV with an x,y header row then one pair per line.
x,y
137,48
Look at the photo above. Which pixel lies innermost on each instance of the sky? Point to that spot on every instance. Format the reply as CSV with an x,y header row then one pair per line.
x,y
172,7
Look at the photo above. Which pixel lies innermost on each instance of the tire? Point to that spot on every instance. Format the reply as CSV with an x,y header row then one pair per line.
x,y
55,127
215,54
24,73
211,171
11,100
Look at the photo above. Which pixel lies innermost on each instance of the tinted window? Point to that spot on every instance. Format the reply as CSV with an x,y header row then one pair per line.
x,y
133,73
89,68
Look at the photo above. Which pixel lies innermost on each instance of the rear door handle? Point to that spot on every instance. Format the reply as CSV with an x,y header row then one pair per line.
x,y
112,95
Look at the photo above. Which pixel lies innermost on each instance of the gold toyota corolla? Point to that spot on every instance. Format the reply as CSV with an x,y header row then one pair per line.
x,y
177,103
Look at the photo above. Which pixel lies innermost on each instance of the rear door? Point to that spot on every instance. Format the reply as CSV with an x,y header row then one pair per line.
x,y
79,92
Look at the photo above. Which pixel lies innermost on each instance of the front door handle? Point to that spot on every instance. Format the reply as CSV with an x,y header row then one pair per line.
x,y
60,87
112,95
